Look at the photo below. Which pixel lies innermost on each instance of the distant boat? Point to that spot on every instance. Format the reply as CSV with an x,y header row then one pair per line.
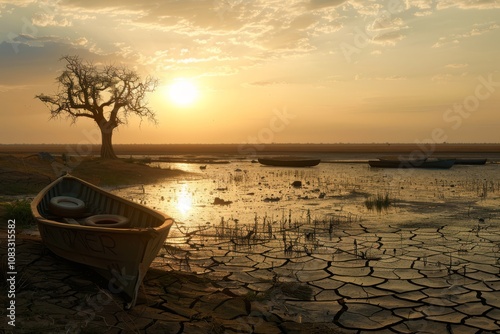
x,y
189,160
470,161
117,237
402,158
417,163
289,162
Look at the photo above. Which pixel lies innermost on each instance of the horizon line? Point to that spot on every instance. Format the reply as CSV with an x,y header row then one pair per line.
x,y
256,143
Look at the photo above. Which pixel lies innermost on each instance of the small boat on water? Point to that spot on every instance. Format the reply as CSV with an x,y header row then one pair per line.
x,y
86,224
418,163
470,161
289,162
403,158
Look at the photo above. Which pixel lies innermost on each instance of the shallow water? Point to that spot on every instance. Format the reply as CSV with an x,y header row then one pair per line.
x,y
319,255
250,193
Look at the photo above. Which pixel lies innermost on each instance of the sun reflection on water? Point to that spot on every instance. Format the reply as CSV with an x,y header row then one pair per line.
x,y
184,202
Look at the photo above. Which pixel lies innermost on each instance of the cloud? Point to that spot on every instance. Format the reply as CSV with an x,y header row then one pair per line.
x,y
386,30
169,14
45,20
469,4
303,21
394,77
41,41
424,13
422,7
422,4
218,37
387,23
447,77
249,30
8,88
378,23
318,4
81,41
266,83
94,5
19,3
35,60
390,38
367,9
456,66
476,30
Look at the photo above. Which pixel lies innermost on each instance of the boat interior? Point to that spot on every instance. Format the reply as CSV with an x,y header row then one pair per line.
x,y
99,206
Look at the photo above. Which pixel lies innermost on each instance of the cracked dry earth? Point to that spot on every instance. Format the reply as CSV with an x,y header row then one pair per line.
x,y
361,280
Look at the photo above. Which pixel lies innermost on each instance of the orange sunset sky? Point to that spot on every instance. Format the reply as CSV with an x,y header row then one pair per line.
x,y
238,71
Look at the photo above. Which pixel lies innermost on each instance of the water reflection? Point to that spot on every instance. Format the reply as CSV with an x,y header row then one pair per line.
x,y
184,201
335,190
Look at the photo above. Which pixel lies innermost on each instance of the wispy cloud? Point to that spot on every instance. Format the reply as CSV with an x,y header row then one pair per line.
x,y
422,7
316,4
267,83
475,30
456,66
45,19
241,29
447,77
390,38
469,4
393,77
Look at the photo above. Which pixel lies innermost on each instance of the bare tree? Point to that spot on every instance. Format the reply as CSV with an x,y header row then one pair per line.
x,y
108,95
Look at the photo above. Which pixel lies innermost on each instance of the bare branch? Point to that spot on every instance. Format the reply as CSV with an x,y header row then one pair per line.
x,y
108,95
111,93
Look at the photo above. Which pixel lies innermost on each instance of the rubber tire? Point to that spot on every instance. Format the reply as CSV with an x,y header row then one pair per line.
x,y
68,207
107,221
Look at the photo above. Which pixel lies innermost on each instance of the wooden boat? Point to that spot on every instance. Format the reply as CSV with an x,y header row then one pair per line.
x,y
420,163
289,162
116,237
403,158
470,161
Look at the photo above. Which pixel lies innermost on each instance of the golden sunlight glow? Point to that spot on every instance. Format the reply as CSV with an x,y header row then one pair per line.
x,y
183,92
184,200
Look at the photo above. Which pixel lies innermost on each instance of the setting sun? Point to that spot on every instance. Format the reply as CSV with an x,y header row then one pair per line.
x,y
183,92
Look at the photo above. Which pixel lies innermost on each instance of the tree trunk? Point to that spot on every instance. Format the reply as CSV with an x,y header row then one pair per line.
x,y
107,151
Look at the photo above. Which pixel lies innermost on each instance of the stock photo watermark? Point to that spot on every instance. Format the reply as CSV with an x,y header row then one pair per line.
x,y
459,111
87,310
453,117
11,272
456,114
277,123
75,156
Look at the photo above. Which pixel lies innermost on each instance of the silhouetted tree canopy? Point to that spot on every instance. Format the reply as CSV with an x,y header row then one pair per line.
x,y
107,94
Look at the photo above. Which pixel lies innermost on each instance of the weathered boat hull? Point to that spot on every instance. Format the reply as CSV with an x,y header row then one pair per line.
x,y
289,162
121,255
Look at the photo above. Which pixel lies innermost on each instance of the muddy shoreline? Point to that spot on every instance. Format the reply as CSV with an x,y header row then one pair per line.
x,y
22,174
